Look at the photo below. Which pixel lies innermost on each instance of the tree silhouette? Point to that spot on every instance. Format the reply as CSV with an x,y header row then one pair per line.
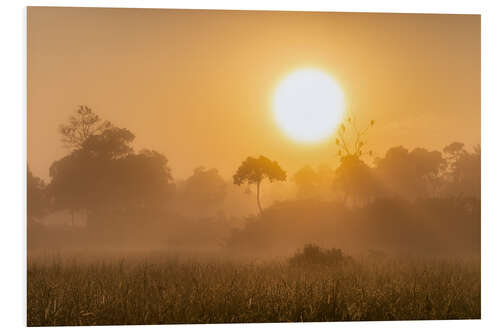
x,y
454,151
83,124
463,170
355,179
307,181
103,176
351,139
204,189
255,170
36,198
112,143
72,179
353,176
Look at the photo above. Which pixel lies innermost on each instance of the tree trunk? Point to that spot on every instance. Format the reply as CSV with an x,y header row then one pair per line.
x,y
258,198
72,218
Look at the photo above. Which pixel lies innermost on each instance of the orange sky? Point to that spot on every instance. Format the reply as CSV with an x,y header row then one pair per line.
x,y
197,85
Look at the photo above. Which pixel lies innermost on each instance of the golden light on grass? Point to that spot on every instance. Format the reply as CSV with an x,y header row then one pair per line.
x,y
308,105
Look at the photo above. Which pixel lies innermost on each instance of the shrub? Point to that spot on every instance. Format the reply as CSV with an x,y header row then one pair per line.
x,y
312,254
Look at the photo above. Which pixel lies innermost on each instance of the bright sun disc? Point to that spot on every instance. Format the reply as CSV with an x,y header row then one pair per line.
x,y
308,105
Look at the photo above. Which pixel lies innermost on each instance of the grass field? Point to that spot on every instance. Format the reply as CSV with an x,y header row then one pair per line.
x,y
167,291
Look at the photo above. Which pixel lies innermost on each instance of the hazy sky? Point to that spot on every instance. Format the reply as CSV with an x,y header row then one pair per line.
x,y
197,86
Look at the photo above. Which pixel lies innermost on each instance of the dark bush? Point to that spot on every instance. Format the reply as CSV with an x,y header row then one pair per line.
x,y
312,254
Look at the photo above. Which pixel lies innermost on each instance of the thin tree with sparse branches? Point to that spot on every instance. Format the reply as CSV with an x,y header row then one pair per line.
x,y
81,125
351,140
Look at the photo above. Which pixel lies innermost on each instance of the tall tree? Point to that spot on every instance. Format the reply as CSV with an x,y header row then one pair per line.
x,y
354,177
104,177
83,124
255,170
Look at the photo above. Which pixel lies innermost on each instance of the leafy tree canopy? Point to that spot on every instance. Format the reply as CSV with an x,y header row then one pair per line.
x,y
254,170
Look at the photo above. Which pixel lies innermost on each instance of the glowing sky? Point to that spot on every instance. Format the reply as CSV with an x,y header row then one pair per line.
x,y
197,85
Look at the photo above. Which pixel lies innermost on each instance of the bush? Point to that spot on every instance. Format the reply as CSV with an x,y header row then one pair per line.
x,y
312,254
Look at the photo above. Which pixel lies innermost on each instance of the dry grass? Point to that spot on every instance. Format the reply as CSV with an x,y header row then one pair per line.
x,y
118,292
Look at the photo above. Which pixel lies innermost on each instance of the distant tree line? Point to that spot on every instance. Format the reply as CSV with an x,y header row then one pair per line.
x,y
418,173
418,201
114,186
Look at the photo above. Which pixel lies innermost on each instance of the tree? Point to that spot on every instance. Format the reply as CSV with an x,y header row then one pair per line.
x,y
454,151
36,198
464,170
104,177
80,180
351,140
74,182
410,174
111,143
139,182
205,189
255,170
307,181
83,124
354,177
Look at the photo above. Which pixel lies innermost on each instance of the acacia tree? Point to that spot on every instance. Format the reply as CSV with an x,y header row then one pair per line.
x,y
255,170
82,125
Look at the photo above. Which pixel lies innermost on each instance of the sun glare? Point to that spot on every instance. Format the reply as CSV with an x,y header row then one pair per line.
x,y
308,105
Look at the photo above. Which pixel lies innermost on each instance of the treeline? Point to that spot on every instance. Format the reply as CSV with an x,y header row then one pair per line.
x,y
419,173
418,201
404,201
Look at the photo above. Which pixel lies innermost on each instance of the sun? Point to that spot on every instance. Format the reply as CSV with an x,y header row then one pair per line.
x,y
308,105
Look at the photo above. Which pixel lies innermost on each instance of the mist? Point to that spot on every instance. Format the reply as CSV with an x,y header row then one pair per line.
x,y
103,195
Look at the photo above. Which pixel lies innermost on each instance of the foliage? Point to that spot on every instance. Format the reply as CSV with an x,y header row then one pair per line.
x,y
36,197
104,177
419,173
307,181
463,173
355,179
112,143
312,254
204,189
83,124
410,174
255,170
427,226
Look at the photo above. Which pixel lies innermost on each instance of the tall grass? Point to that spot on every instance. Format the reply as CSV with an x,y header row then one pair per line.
x,y
118,292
